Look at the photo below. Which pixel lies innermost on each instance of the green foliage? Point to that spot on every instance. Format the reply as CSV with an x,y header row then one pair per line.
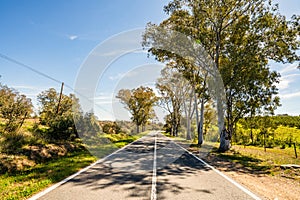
x,y
172,87
240,37
111,128
12,143
21,185
14,109
258,130
87,126
58,117
139,102
286,120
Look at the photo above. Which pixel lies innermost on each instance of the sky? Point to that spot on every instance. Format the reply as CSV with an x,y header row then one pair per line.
x,y
59,38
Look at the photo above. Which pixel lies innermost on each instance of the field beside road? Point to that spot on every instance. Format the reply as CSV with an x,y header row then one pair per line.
x,y
258,170
25,174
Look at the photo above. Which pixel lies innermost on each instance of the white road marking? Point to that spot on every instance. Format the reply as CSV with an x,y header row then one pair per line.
x,y
153,189
154,178
221,174
53,187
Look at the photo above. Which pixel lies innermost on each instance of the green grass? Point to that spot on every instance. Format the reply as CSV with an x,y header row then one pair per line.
x,y
285,133
255,160
251,159
121,139
108,143
22,184
273,156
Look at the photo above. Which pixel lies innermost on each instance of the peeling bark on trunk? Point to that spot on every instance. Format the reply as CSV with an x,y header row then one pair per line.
x,y
224,141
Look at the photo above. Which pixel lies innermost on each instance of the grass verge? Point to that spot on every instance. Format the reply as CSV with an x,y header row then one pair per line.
x,y
247,159
253,160
24,183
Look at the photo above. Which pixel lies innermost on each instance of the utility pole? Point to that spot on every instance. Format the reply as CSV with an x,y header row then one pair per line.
x,y
60,96
295,150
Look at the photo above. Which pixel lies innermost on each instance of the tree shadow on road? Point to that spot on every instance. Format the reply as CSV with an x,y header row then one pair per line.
x,y
130,171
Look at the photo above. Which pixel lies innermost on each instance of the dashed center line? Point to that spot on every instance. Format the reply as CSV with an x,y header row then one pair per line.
x,y
153,190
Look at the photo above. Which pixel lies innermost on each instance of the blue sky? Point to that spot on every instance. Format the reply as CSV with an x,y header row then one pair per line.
x,y
56,37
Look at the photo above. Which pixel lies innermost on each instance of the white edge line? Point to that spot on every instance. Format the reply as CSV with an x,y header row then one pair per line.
x,y
49,189
223,175
153,189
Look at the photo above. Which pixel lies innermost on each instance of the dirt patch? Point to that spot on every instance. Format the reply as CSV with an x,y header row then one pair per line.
x,y
260,180
11,163
268,187
29,156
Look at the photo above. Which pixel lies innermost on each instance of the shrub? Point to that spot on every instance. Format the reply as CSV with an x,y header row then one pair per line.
x,y
12,143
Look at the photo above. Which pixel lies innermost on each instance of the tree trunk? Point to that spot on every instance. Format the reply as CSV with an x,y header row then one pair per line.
x,y
197,117
200,125
251,135
224,141
137,128
188,127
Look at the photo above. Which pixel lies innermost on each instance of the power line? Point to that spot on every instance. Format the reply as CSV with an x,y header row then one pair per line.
x,y
5,57
12,60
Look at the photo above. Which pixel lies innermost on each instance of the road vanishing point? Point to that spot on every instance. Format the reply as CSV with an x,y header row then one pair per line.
x,y
153,167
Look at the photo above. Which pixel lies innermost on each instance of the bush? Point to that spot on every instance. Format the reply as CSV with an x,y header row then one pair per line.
x,y
111,128
12,143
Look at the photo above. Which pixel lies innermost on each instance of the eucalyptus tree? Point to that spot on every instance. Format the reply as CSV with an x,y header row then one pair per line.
x,y
60,121
139,102
240,37
170,87
14,108
177,96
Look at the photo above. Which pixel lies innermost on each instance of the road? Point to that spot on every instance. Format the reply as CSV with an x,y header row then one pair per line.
x,y
153,167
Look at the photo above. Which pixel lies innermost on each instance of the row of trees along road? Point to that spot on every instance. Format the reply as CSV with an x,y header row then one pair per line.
x,y
179,97
240,37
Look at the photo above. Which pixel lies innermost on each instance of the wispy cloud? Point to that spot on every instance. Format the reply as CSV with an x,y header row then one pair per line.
x,y
105,99
287,80
290,95
141,51
116,77
73,37
289,68
108,52
28,90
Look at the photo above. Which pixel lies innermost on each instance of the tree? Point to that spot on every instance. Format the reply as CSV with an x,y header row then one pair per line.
x,y
60,121
240,37
87,126
139,102
14,108
209,117
171,89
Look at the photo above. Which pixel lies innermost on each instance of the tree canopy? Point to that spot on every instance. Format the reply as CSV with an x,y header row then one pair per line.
x,y
14,108
59,116
240,37
139,102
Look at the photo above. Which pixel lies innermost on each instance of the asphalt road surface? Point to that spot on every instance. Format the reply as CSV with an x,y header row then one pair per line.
x,y
153,167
